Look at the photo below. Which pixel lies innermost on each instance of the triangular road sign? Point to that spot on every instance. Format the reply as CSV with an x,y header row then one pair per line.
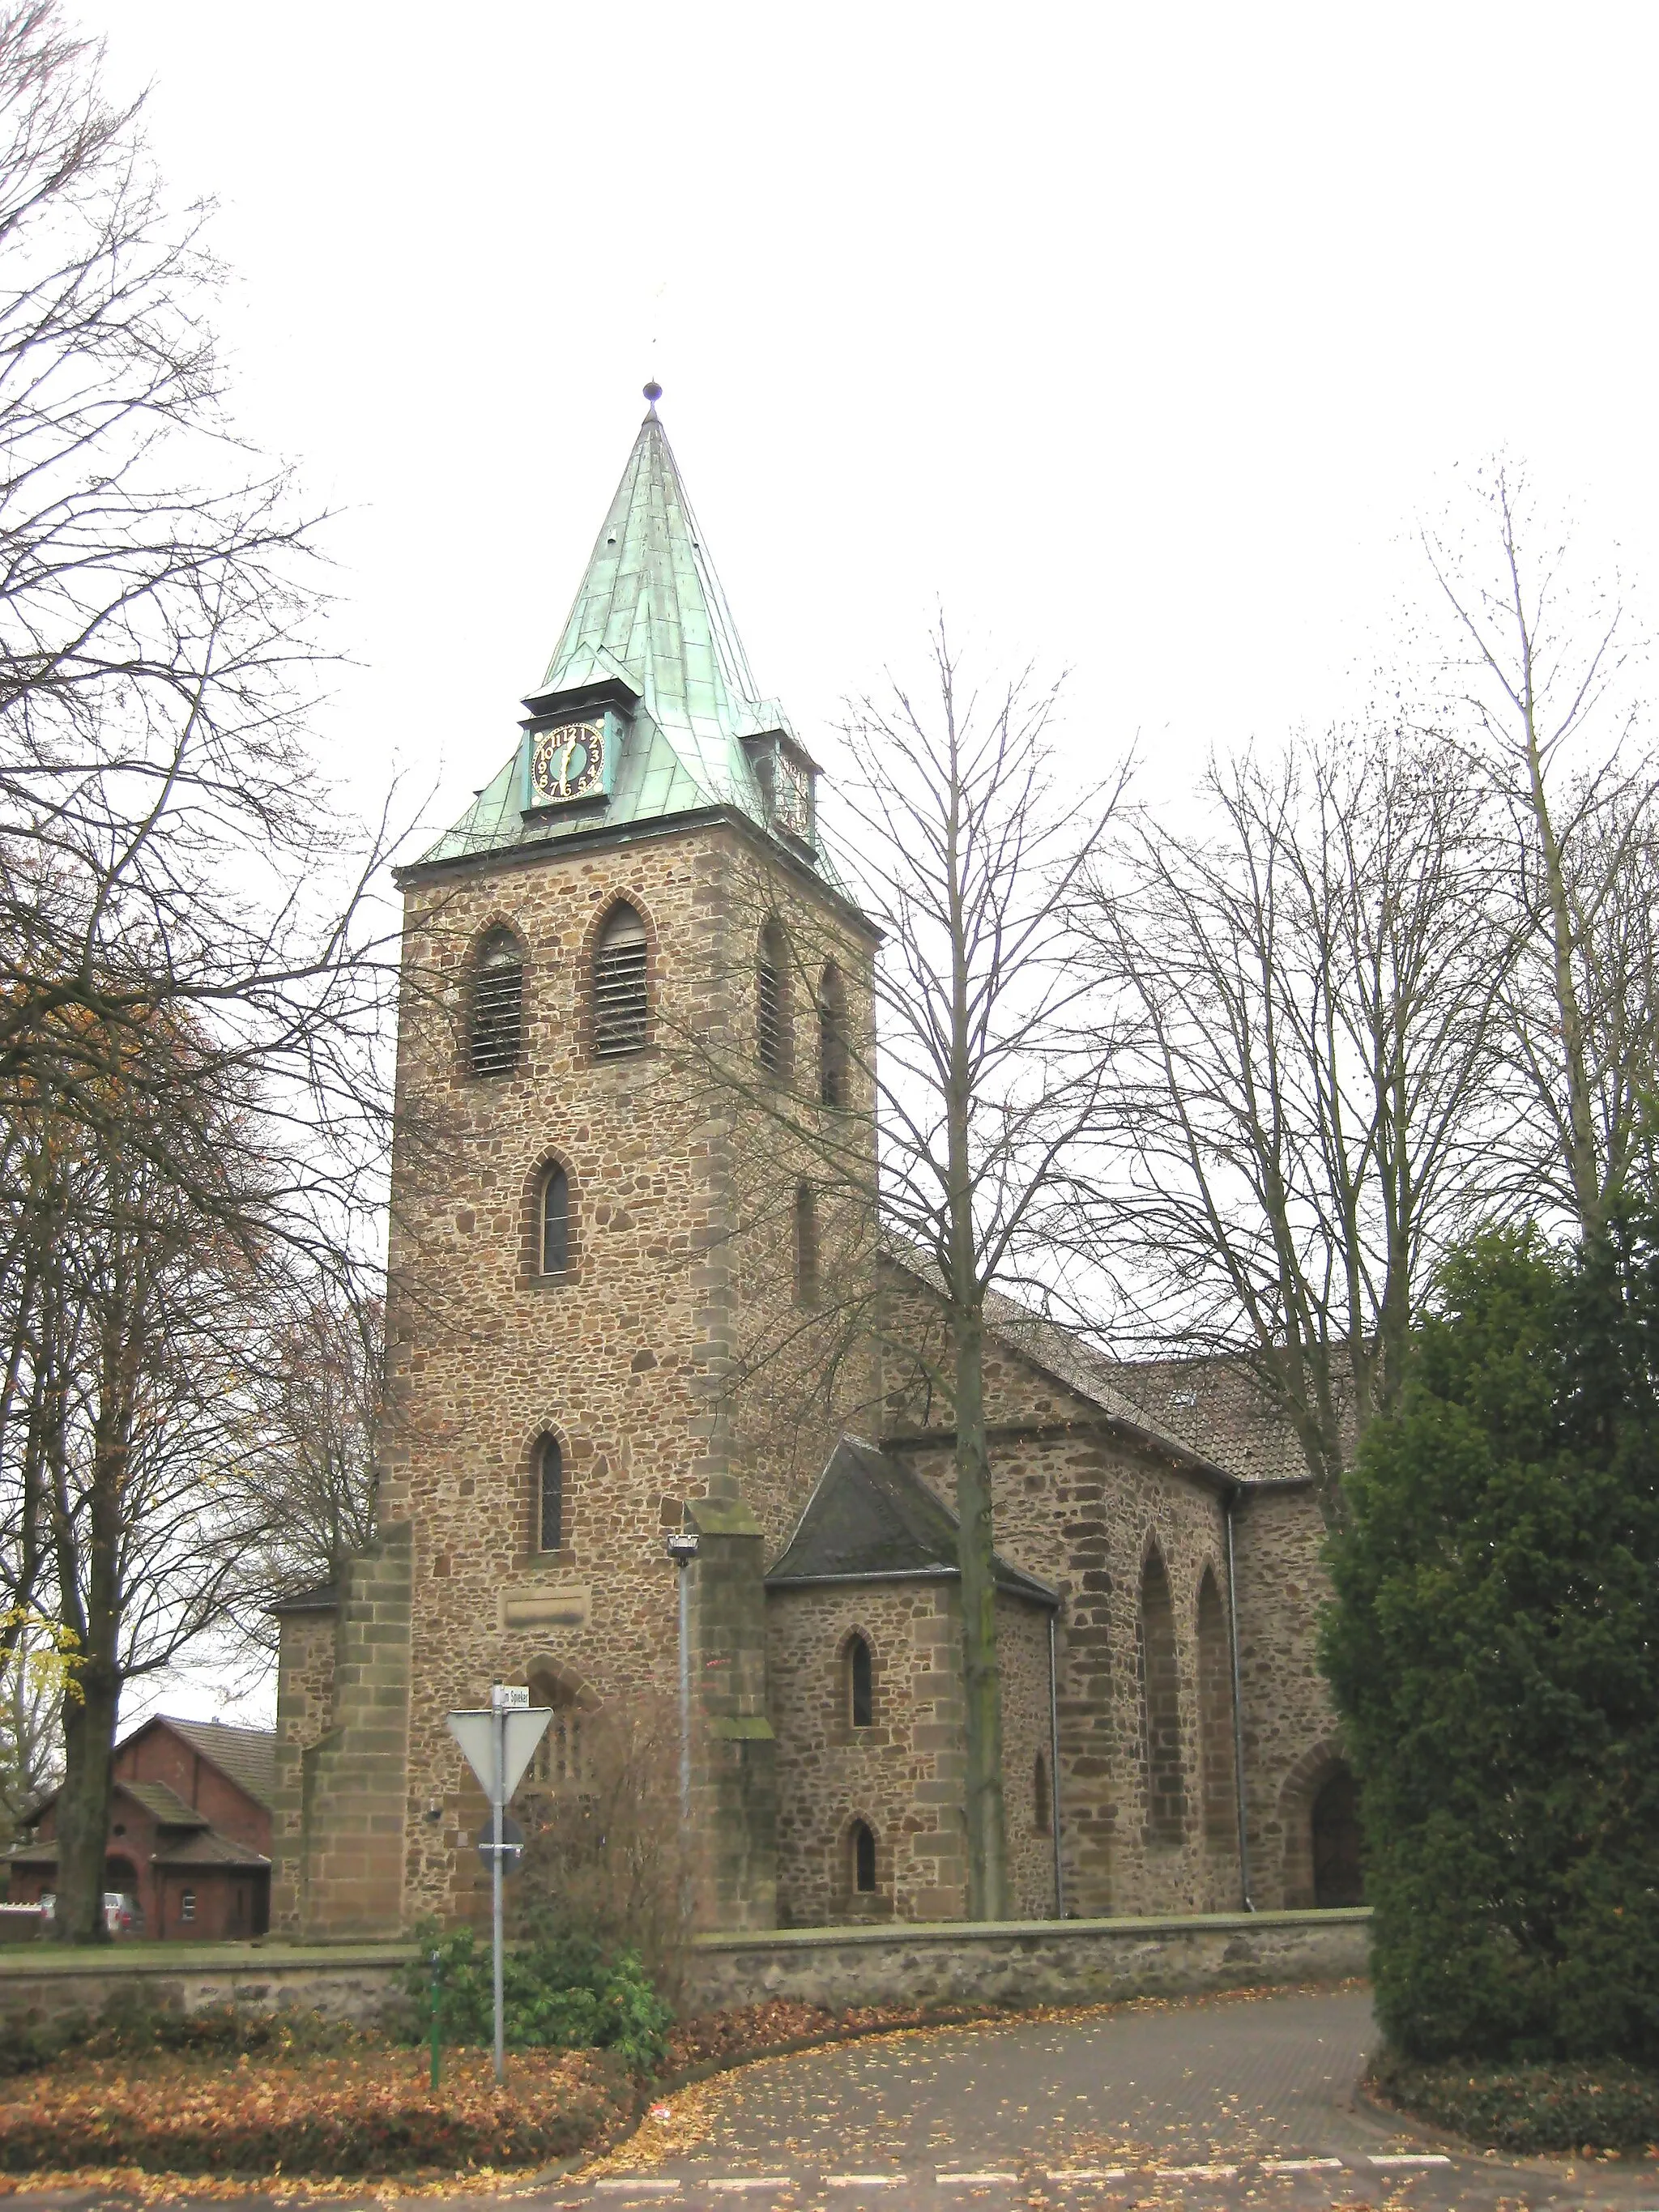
x,y
475,1732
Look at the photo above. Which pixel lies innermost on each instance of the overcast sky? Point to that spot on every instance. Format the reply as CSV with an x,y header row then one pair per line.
x,y
1137,337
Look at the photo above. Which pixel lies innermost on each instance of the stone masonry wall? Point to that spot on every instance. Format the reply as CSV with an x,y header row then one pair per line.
x,y
902,1775
625,1360
1291,1741
337,1818
1081,1505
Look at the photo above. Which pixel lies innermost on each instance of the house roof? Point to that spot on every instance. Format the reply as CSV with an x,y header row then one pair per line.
x,y
208,1849
164,1804
248,1755
872,1519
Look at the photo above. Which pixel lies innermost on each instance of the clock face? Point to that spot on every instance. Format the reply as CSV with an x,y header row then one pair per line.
x,y
567,763
791,799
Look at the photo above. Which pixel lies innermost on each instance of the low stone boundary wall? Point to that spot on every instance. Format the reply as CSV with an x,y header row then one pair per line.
x,y
1015,1962
1023,1962
344,1981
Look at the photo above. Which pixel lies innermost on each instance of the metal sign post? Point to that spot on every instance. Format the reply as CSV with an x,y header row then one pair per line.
x,y
499,1744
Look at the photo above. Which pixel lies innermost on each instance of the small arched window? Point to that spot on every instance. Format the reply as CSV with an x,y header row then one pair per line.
x,y
497,1011
772,1001
807,1245
864,1857
549,1495
861,1684
832,1037
621,1010
1043,1803
554,1225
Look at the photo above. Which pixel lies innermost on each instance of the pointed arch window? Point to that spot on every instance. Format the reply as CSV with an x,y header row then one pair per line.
x,y
772,1001
549,1496
807,1245
860,1683
832,1037
497,1008
1042,1802
1160,1707
621,1005
864,1857
553,1224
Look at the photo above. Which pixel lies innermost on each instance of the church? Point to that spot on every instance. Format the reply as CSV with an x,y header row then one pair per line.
x,y
618,1313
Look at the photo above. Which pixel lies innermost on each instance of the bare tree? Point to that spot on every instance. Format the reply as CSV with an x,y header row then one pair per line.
x,y
966,850
1308,1104
193,987
1541,675
318,1415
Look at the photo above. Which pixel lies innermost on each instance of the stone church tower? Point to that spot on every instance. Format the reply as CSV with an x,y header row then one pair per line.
x,y
631,943
565,1289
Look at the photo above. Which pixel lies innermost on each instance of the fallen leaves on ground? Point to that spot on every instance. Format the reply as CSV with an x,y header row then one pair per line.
x,y
370,2112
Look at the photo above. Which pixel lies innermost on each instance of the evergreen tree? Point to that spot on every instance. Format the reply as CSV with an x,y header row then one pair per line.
x,y
1495,1655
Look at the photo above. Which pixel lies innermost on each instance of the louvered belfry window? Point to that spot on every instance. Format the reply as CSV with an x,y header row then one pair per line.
x,y
497,1005
620,1005
771,1042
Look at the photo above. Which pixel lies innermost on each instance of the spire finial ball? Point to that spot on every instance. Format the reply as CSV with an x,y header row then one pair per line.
x,y
654,392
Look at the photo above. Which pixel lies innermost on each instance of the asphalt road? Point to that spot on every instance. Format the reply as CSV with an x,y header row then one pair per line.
x,y
1224,2104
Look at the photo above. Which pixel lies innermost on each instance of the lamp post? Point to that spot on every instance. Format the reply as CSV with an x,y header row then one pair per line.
x,y
682,1548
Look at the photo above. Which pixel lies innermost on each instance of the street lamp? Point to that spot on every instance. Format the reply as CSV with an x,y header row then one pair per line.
x,y
682,1548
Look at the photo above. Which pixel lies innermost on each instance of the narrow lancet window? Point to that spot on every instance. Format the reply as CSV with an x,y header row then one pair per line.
x,y
832,1037
807,1245
549,1496
860,1683
864,1858
771,1007
1043,1803
621,1009
555,1222
497,1011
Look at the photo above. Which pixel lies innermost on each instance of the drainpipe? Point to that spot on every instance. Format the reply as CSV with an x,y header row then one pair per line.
x,y
1054,1774
1238,1715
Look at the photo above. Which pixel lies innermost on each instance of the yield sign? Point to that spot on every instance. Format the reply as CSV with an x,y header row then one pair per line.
x,y
521,1732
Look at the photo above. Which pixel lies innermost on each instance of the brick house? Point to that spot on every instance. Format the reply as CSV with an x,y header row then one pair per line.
x,y
190,1832
590,1249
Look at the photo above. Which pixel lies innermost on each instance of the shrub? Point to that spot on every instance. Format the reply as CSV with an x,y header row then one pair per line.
x,y
606,1856
1527,2109
1495,1656
559,1991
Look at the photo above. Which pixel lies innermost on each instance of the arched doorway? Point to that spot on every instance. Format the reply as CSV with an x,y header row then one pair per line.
x,y
1338,1873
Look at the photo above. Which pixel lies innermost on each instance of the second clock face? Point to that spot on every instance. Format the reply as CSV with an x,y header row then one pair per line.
x,y
793,799
567,763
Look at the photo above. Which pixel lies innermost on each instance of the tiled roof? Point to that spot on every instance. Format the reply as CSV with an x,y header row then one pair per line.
x,y
164,1804
872,1519
248,1755
208,1848
1209,1411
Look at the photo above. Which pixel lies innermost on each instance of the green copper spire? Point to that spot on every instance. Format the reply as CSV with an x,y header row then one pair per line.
x,y
649,628
651,606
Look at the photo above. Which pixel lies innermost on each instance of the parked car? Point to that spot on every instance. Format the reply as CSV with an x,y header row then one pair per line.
x,y
121,1915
